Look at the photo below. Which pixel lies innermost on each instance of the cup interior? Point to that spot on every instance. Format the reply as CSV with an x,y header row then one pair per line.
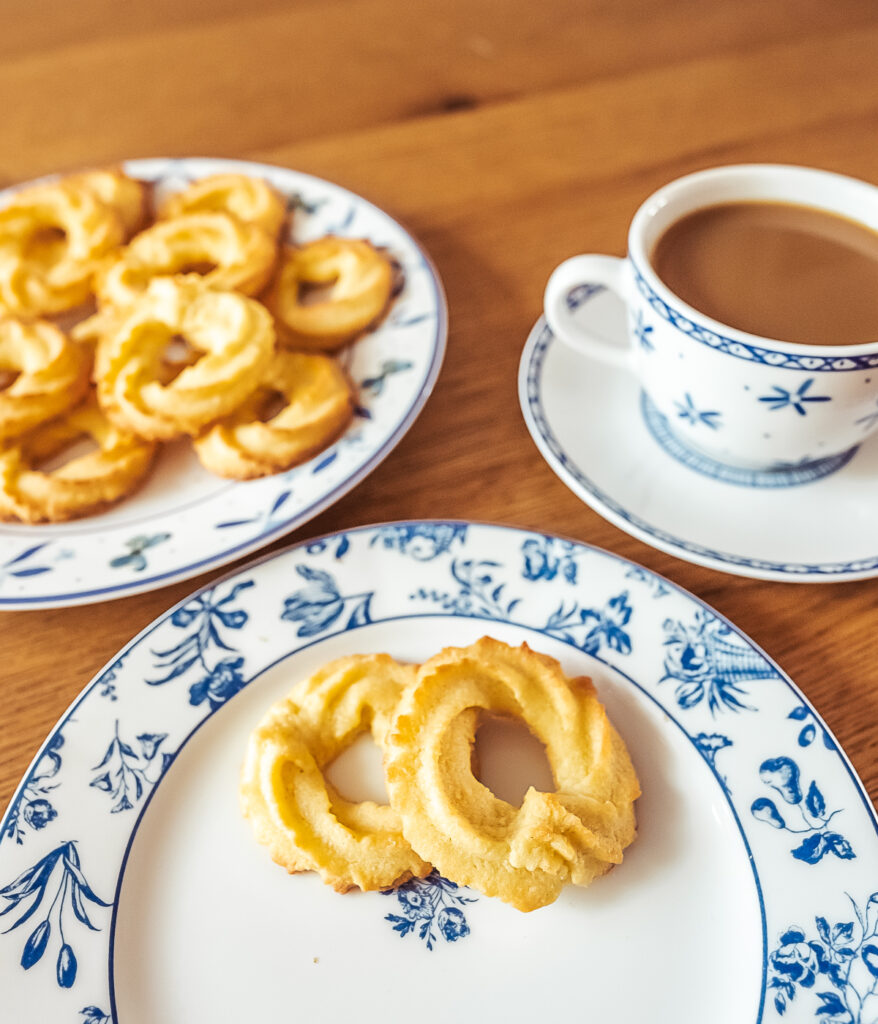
x,y
823,190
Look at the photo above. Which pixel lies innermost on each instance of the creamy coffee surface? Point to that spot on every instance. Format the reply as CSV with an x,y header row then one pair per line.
x,y
778,270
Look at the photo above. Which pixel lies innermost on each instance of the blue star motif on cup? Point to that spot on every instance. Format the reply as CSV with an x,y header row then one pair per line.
x,y
783,399
642,331
687,410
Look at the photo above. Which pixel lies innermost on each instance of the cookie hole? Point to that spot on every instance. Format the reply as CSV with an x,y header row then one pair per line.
x,y
202,267
44,242
75,449
178,354
357,773
313,293
510,759
271,405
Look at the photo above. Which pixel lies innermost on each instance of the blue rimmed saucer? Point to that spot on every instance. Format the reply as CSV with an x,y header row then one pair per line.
x,y
592,424
133,891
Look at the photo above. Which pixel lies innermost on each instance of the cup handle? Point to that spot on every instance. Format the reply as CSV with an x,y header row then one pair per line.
x,y
608,271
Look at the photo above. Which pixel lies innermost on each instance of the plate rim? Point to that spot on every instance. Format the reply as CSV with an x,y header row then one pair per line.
x,y
123,589
539,339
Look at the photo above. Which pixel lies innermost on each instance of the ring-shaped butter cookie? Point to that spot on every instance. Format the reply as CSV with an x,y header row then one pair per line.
x,y
234,333
317,403
53,238
50,374
127,196
87,483
251,200
522,855
232,255
302,819
359,281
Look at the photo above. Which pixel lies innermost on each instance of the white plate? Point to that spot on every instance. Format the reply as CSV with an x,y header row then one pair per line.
x,y
590,424
752,879
185,521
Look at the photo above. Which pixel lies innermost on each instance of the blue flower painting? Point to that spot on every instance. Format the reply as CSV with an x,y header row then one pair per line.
x,y
547,557
33,809
837,964
430,907
594,629
421,541
206,648
709,664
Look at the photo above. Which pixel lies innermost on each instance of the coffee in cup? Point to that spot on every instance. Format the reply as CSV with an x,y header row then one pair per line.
x,y
778,270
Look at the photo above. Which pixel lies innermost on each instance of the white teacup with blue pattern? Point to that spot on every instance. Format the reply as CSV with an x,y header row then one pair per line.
x,y
735,406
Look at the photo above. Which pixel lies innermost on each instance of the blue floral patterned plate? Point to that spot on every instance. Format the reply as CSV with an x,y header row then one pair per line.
x,y
185,521
609,445
132,890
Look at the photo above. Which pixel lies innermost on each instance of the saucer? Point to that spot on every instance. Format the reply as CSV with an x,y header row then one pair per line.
x,y
593,426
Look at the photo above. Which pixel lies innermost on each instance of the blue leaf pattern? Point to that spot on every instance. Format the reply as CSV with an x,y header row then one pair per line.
x,y
12,567
478,592
375,385
319,604
129,774
135,558
70,889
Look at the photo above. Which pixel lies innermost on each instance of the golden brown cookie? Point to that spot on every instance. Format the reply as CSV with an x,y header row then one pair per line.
x,y
524,854
359,283
49,371
305,823
234,334
85,484
248,199
316,403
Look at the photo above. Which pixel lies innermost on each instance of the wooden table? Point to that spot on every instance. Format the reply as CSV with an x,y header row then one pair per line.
x,y
506,136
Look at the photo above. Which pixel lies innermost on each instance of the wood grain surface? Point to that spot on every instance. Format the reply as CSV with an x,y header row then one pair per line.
x,y
506,136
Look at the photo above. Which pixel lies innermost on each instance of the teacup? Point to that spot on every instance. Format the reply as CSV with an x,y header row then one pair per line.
x,y
735,405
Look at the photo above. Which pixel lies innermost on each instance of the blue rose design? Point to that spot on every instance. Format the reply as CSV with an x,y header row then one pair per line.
x,y
415,905
536,562
452,923
38,813
219,685
797,959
